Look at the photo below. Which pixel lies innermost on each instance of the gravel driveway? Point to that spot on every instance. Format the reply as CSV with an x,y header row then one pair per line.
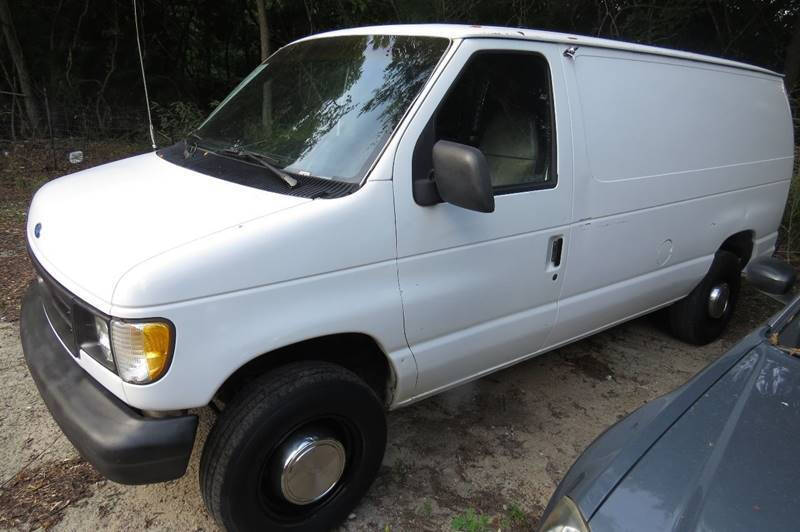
x,y
496,447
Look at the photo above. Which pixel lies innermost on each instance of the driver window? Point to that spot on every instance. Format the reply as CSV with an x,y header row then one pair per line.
x,y
501,104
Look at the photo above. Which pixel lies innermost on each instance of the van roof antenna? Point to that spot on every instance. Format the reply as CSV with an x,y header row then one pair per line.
x,y
144,79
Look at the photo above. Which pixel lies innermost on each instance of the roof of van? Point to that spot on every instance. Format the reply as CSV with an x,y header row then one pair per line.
x,y
462,31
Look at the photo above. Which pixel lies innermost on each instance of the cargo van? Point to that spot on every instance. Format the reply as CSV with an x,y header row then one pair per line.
x,y
374,216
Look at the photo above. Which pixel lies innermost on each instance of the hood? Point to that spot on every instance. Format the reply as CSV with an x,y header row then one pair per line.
x,y
729,463
97,224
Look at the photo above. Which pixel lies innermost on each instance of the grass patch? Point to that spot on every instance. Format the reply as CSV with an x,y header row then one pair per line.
x,y
425,509
789,239
470,521
515,518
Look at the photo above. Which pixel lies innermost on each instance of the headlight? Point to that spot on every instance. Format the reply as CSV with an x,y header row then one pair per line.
x,y
101,331
565,517
92,337
142,350
103,342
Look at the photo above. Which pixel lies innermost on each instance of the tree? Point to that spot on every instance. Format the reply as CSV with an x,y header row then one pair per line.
x,y
18,59
792,62
263,29
198,50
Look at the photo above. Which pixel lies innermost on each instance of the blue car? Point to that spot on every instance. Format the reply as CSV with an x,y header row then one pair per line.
x,y
719,453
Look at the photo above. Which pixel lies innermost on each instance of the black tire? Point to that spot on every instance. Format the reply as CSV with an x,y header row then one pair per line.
x,y
237,477
690,319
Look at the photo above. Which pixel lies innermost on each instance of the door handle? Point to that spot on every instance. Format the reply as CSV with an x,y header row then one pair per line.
x,y
555,251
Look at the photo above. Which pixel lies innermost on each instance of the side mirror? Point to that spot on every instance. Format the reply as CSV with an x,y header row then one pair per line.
x,y
771,275
462,176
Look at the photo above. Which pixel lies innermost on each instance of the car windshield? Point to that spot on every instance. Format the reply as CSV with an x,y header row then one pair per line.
x,y
324,107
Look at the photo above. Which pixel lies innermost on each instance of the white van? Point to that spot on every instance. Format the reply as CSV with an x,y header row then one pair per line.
x,y
374,216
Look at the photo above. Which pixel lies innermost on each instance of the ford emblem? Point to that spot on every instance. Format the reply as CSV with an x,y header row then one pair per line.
x,y
37,230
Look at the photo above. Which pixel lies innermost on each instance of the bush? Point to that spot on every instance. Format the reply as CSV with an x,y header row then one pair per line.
x,y
789,239
174,120
470,521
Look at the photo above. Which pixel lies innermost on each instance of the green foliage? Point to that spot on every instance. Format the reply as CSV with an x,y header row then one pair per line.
x,y
790,228
81,53
470,521
515,517
425,509
174,120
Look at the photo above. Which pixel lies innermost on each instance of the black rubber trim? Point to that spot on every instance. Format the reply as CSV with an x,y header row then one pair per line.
x,y
121,444
252,175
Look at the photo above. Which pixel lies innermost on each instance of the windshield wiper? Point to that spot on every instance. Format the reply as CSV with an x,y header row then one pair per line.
x,y
263,161
190,144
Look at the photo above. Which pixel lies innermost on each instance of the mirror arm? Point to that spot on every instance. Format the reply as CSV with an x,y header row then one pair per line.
x,y
425,191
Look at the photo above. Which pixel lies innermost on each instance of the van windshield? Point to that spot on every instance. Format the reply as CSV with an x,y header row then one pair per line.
x,y
324,107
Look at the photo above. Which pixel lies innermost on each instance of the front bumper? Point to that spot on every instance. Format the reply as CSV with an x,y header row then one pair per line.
x,y
120,443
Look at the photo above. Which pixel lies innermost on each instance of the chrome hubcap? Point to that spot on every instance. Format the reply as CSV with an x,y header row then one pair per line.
x,y
718,300
311,465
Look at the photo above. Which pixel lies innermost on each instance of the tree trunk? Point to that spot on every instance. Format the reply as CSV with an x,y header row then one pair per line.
x,y
791,65
26,85
74,44
263,29
308,14
112,66
266,102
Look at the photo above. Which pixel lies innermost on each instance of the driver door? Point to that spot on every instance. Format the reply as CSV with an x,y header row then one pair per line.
x,y
480,290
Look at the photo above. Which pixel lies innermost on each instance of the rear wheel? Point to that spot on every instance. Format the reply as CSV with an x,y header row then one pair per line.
x,y
295,450
701,317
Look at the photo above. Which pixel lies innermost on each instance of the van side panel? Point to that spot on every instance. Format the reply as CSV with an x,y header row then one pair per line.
x,y
671,158
659,131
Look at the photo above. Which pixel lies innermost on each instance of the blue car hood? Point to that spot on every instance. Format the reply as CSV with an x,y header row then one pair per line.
x,y
730,462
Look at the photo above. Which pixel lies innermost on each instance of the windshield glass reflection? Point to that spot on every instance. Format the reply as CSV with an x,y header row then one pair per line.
x,y
325,107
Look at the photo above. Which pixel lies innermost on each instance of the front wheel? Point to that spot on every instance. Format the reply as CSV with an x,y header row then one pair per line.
x,y
295,450
701,317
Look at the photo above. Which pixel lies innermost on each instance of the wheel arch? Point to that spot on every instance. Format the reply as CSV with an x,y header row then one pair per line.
x,y
357,352
740,244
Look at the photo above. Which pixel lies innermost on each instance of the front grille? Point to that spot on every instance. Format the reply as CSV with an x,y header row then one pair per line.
x,y
73,320
59,305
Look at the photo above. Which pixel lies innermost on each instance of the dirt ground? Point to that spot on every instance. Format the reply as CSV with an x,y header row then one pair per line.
x,y
487,454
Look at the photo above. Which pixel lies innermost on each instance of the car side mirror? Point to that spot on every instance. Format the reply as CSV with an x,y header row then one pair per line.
x,y
462,176
771,275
